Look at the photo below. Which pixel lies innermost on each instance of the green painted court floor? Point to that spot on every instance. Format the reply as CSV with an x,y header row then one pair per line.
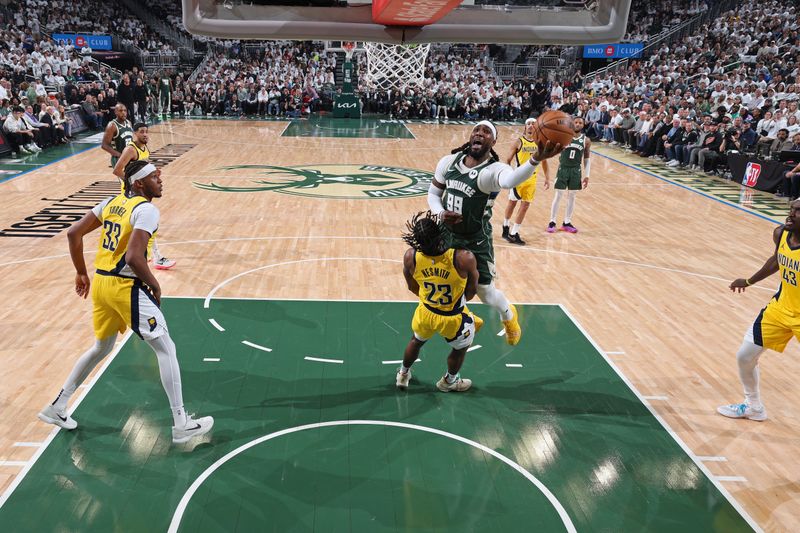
x,y
363,128
331,445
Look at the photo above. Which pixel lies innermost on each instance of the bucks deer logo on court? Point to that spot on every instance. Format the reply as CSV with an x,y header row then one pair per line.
x,y
323,181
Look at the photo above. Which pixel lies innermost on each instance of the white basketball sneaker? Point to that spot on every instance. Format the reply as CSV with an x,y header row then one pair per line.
x,y
403,379
162,263
742,410
51,415
459,385
193,428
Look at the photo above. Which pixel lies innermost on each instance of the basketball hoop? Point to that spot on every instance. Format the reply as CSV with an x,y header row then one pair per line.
x,y
398,66
349,49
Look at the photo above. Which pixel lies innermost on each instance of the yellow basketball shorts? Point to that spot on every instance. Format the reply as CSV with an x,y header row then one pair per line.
x,y
120,303
458,330
774,327
525,191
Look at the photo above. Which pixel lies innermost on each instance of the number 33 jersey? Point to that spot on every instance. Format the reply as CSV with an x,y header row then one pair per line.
x,y
119,216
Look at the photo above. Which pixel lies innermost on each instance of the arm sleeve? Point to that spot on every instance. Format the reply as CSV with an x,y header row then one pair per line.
x,y
587,165
98,209
145,217
434,192
499,176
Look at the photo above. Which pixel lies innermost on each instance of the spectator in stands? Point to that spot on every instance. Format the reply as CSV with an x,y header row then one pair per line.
x,y
125,94
780,144
140,99
19,134
47,117
94,117
671,139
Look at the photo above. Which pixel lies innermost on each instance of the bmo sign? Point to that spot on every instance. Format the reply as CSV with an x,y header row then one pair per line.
x,y
612,51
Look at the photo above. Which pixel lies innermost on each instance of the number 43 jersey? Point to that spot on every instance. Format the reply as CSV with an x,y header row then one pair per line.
x,y
788,295
441,287
119,216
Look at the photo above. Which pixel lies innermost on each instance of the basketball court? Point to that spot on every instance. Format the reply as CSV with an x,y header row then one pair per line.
x,y
290,313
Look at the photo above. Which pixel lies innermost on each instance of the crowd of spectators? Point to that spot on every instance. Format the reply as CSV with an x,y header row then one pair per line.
x,y
732,87
729,87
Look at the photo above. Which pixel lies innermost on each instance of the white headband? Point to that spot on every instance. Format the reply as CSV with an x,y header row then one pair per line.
x,y
488,125
143,172
530,121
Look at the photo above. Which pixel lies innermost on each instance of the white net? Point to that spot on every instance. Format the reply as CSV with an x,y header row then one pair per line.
x,y
395,66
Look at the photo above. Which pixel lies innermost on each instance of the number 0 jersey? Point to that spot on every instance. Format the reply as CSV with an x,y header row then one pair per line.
x,y
120,215
788,295
441,287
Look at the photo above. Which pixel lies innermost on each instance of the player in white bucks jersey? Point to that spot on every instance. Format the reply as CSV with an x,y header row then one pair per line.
x,y
568,176
125,294
462,193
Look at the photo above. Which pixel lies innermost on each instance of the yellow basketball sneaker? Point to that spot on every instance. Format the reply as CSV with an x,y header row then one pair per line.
x,y
478,322
513,331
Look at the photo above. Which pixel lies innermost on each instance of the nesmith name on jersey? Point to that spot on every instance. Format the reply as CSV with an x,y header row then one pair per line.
x,y
435,273
460,186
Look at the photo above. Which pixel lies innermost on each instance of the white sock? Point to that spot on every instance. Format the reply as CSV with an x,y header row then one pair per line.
x,y
404,369
156,253
82,369
450,378
556,202
747,359
506,222
570,206
170,376
514,229
496,299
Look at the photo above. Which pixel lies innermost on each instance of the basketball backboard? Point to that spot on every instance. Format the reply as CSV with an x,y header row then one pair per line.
x,y
566,22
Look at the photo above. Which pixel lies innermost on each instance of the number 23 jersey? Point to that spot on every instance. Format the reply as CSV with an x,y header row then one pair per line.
x,y
120,215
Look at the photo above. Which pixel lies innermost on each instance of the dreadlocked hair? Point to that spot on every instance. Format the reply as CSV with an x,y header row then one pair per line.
x,y
464,148
425,234
130,169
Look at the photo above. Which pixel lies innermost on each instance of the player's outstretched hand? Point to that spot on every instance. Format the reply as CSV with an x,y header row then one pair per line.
x,y
451,217
82,285
547,151
739,285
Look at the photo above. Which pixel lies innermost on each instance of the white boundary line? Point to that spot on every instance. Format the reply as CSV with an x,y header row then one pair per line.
x,y
27,444
323,360
54,432
187,496
736,505
615,353
211,359
734,479
712,459
14,463
475,347
216,324
378,238
513,365
656,398
257,346
210,295
398,362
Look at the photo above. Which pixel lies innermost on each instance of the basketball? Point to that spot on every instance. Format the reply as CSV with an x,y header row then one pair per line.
x,y
553,126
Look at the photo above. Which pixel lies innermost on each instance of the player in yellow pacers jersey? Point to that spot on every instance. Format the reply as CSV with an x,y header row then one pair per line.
x,y
525,192
137,150
125,294
444,279
777,323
